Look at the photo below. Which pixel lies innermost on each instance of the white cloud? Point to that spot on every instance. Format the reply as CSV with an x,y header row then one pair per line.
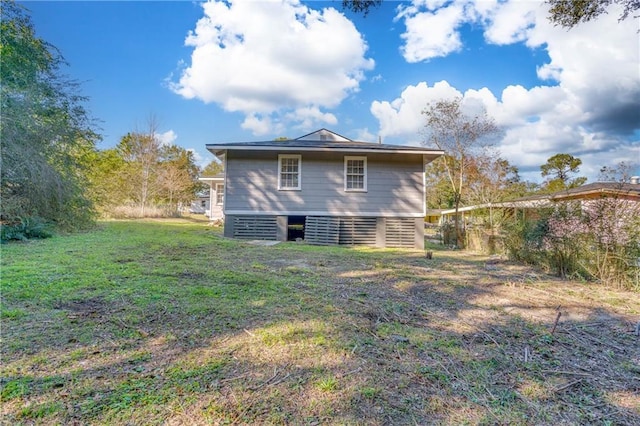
x,y
364,135
508,22
273,60
592,111
260,125
403,116
432,34
308,117
167,138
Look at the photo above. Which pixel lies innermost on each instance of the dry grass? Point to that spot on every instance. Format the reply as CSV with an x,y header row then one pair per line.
x,y
134,212
165,322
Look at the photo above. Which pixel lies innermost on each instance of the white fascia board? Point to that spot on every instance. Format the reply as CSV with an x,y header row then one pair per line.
x,y
533,204
462,209
320,213
316,149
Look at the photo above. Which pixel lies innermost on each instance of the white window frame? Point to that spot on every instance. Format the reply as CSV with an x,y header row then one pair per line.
x,y
288,157
219,194
364,180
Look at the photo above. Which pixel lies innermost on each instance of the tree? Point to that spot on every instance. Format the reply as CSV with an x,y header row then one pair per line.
x,y
622,173
492,179
566,13
559,169
440,194
361,6
569,13
107,180
462,137
177,176
212,169
141,151
46,135
144,172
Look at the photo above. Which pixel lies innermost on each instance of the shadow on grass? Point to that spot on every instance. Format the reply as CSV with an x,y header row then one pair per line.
x,y
192,328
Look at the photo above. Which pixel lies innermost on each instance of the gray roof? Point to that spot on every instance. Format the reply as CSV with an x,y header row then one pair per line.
x,y
306,144
594,189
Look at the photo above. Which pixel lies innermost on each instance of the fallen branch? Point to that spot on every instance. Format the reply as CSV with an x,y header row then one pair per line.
x,y
572,373
275,374
568,385
555,324
280,380
595,339
230,379
348,373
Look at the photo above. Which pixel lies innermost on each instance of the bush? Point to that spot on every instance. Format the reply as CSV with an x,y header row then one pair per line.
x,y
24,229
599,240
613,242
523,240
449,236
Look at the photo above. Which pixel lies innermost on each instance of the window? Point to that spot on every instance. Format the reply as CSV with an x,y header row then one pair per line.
x,y
219,193
289,172
355,174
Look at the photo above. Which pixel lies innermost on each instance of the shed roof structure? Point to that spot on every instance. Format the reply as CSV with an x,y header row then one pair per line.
x,y
591,191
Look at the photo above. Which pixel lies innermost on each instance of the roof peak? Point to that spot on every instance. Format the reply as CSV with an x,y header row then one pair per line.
x,y
324,135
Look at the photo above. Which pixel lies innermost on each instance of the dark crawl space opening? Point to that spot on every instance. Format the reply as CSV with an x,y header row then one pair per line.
x,y
295,227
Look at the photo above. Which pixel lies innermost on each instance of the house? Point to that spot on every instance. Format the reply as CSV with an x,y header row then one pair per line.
x,y
210,202
623,198
201,204
618,191
325,189
599,190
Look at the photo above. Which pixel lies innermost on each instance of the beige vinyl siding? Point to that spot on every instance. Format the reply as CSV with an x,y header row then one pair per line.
x,y
394,185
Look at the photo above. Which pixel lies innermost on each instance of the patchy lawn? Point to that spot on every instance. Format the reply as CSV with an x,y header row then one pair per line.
x,y
166,322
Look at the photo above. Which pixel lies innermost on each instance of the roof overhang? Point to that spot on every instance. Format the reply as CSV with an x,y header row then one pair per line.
x,y
211,179
598,193
523,204
220,150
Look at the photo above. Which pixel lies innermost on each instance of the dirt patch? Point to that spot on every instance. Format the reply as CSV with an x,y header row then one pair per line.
x,y
90,307
292,264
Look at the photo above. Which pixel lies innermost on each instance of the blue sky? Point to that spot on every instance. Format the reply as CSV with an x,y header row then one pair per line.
x,y
256,70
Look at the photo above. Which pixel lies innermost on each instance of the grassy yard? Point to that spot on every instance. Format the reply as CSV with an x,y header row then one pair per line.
x,y
166,322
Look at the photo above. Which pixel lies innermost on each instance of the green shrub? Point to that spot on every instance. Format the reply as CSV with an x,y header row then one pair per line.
x,y
597,241
24,229
523,240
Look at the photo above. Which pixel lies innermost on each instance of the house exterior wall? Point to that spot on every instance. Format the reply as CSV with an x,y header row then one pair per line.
x,y
203,205
394,186
207,203
215,210
380,233
200,205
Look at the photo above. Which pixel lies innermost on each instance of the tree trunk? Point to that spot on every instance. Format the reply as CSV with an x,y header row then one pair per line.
x,y
456,221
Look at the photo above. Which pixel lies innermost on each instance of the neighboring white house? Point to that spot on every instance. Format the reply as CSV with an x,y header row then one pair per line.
x,y
618,191
325,189
211,202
